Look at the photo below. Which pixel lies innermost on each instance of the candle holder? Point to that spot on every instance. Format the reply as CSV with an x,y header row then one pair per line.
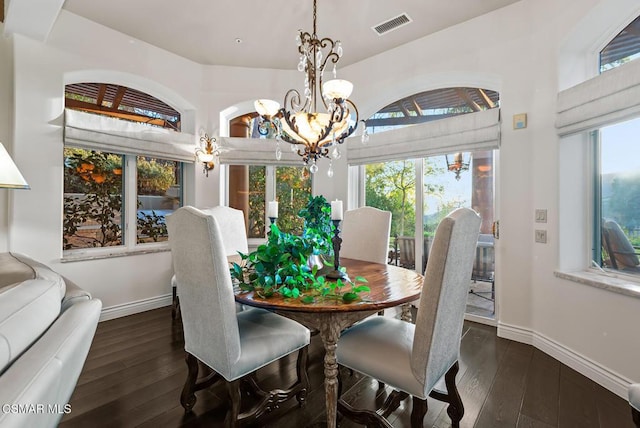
x,y
272,219
336,273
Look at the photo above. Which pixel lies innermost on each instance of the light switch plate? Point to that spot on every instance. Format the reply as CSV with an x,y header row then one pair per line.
x,y
541,216
541,236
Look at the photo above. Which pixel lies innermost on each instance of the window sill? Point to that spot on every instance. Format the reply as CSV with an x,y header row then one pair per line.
x,y
621,284
84,256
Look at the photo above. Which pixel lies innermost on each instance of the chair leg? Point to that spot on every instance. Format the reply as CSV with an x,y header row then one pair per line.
x,y
175,306
188,396
455,410
418,412
303,376
193,384
232,414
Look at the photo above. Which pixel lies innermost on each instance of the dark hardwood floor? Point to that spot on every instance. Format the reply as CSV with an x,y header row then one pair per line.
x,y
135,371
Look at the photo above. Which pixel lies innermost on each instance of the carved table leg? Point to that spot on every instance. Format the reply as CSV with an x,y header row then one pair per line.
x,y
406,312
330,333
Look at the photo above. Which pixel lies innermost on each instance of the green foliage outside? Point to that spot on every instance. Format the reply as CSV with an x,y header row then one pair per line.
x,y
624,205
97,179
257,183
154,176
293,188
93,187
390,186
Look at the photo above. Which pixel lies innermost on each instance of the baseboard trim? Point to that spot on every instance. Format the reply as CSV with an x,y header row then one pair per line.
x,y
130,308
481,320
603,376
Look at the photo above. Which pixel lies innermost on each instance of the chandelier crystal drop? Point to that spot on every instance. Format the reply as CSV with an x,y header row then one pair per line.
x,y
299,123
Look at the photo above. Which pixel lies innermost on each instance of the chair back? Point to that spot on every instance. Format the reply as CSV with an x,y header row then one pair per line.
x,y
365,234
447,279
232,227
206,292
621,252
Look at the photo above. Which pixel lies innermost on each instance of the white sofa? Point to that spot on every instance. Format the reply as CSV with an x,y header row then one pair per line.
x,y
47,324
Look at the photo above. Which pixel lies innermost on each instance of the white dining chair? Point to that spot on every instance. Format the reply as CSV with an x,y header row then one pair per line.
x,y
365,234
634,402
234,240
233,344
413,358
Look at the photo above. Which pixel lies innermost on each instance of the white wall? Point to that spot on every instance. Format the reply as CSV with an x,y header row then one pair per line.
x,y
516,51
41,70
527,52
6,110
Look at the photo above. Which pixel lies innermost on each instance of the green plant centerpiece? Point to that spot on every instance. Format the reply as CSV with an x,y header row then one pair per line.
x,y
280,265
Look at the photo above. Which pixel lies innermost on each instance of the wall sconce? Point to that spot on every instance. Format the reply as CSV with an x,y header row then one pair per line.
x,y
458,164
207,152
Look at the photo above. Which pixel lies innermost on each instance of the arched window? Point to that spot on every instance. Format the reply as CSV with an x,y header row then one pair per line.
x,y
441,141
432,105
123,168
622,48
607,109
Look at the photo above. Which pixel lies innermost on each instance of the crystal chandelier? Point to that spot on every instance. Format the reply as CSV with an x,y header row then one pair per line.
x,y
312,134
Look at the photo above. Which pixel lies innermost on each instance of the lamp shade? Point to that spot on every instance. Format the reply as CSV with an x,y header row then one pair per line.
x,y
337,89
10,176
266,107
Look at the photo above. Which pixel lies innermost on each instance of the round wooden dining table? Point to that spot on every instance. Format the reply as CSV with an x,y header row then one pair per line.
x,y
390,285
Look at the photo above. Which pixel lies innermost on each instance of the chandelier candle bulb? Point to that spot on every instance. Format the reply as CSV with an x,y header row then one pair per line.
x,y
336,210
272,209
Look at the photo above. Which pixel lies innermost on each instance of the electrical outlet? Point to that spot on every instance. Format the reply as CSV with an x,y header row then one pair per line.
x,y
541,216
541,236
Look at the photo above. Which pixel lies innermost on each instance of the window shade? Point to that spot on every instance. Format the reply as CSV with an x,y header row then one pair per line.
x,y
96,132
610,97
254,151
468,132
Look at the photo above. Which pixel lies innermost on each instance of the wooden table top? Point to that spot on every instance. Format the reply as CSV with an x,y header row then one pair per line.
x,y
390,286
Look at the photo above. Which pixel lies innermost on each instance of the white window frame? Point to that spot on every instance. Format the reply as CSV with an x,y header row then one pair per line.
x,y
130,139
130,243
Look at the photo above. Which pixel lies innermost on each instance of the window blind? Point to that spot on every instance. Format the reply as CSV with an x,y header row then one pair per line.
x,y
103,133
255,151
468,132
611,97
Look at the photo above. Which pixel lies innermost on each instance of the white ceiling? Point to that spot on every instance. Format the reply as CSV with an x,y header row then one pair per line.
x,y
205,31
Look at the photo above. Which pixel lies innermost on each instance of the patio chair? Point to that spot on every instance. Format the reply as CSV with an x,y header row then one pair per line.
x,y
234,239
622,255
407,250
232,344
365,234
483,266
425,352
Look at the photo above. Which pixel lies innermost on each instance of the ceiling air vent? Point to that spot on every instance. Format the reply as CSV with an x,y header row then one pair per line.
x,y
391,24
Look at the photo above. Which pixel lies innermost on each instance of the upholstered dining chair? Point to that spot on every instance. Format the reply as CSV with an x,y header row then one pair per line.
x,y
232,344
234,239
425,352
365,234
634,401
